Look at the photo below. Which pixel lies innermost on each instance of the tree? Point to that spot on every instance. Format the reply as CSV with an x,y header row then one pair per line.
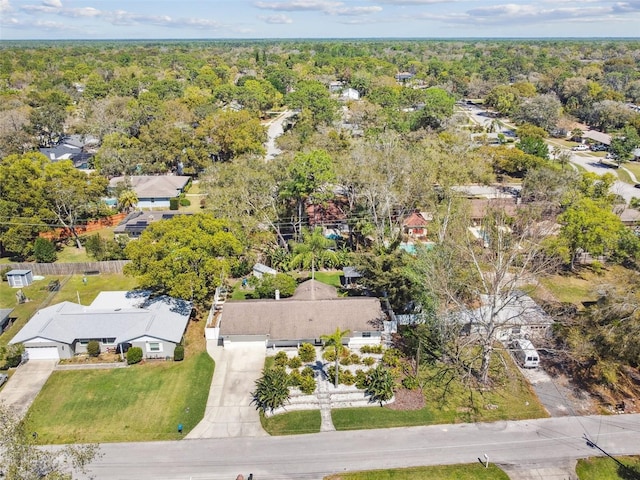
x,y
72,194
542,111
185,257
225,135
307,178
22,459
335,340
380,385
623,145
315,98
438,108
504,98
313,252
127,200
44,251
587,226
272,389
283,283
479,283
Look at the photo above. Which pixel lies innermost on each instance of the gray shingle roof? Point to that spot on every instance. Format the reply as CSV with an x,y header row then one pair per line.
x,y
300,317
154,186
163,318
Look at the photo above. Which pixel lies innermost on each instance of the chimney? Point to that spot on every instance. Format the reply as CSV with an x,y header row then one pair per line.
x,y
277,294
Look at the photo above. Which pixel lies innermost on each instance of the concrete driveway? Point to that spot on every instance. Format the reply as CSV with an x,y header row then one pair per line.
x,y
25,384
229,411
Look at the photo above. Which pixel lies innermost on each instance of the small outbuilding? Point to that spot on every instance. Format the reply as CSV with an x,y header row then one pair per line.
x,y
260,270
20,278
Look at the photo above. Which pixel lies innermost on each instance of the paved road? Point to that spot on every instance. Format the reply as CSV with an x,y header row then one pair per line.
x,y
274,130
548,441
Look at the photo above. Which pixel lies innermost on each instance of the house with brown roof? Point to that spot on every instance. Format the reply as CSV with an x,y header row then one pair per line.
x,y
415,225
314,310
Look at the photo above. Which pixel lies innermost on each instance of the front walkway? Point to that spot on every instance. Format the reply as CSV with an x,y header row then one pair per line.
x,y
229,412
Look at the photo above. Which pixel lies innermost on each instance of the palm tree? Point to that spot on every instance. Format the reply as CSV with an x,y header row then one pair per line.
x,y
314,251
272,389
335,340
380,384
127,200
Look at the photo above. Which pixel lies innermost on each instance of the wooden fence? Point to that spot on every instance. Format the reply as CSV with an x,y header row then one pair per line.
x,y
111,266
84,229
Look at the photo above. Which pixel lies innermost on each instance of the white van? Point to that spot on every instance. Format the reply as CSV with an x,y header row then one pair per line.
x,y
525,353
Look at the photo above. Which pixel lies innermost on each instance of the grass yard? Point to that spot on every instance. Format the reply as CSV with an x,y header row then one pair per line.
x,y
75,287
140,403
603,468
330,278
471,471
580,287
292,423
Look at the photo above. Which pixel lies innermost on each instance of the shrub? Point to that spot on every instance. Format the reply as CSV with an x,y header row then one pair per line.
x,y
391,357
173,203
93,348
368,361
282,282
272,390
355,359
134,355
307,385
371,349
44,251
185,202
178,353
346,377
281,359
295,362
329,354
345,360
361,379
13,355
307,372
410,383
307,352
331,372
295,379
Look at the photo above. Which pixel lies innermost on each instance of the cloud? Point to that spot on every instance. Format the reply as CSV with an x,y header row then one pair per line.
x,y
5,6
324,6
52,3
510,14
281,19
415,2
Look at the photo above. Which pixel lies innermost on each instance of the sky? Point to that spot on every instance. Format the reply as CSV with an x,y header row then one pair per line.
x,y
212,19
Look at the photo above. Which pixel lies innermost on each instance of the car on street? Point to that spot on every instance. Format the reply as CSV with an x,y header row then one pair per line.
x,y
580,148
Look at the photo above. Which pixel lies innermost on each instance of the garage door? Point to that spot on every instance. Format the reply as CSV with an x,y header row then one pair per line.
x,y
43,353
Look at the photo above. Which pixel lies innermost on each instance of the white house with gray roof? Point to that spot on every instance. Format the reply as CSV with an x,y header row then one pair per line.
x,y
117,320
153,191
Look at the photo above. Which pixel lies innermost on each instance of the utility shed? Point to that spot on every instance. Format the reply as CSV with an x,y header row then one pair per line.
x,y
19,278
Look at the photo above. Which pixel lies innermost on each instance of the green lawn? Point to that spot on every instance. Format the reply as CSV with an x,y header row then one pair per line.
x,y
37,292
580,286
292,423
473,471
139,403
603,468
330,278
633,167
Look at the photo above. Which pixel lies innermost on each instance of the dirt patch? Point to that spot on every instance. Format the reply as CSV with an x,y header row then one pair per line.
x,y
407,400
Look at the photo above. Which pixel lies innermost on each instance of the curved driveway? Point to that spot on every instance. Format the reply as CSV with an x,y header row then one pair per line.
x,y
549,441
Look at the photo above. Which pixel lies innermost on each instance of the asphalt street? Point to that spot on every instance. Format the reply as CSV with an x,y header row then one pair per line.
x,y
544,441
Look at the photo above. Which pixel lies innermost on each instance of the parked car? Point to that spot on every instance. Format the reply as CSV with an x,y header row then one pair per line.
x,y
3,378
598,147
579,148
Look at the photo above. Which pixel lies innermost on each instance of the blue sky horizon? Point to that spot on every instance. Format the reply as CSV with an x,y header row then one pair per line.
x,y
316,19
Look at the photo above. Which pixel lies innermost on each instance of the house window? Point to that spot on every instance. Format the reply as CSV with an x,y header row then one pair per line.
x,y
366,334
154,347
83,341
108,341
